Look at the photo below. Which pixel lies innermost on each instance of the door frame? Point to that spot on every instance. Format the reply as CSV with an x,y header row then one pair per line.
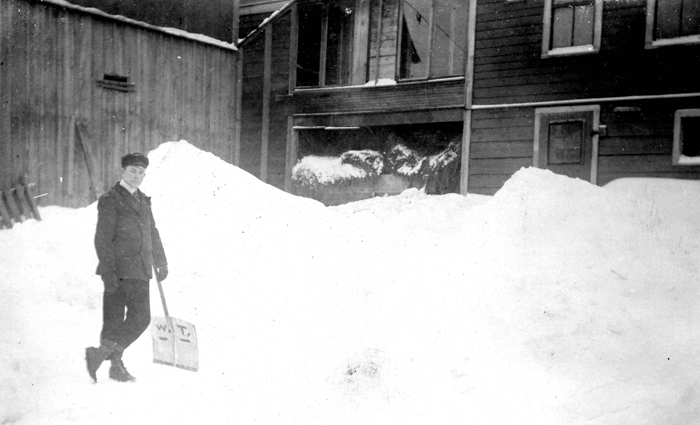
x,y
595,125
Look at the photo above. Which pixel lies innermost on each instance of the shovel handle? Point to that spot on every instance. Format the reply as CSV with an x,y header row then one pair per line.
x,y
162,294
162,298
167,316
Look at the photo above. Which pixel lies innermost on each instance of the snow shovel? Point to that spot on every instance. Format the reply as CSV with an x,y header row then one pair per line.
x,y
174,340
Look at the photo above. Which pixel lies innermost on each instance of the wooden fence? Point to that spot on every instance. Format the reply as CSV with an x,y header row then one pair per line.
x,y
79,89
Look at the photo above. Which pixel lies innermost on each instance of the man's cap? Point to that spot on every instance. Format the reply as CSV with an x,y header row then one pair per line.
x,y
135,158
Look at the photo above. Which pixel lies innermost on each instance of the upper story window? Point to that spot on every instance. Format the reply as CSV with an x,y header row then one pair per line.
x,y
672,22
433,38
351,42
571,27
325,43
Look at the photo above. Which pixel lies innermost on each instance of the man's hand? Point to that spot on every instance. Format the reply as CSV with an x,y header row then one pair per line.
x,y
162,273
111,282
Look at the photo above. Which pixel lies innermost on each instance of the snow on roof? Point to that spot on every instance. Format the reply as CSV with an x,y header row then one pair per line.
x,y
201,38
265,21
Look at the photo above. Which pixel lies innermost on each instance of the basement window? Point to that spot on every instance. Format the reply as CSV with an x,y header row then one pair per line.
x,y
571,27
116,82
686,137
672,22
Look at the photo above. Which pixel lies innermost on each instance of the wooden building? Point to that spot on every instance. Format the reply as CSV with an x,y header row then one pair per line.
x,y
322,77
593,89
79,89
587,88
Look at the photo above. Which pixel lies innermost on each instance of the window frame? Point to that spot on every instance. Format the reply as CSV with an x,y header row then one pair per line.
x,y
572,50
323,48
431,40
651,43
678,159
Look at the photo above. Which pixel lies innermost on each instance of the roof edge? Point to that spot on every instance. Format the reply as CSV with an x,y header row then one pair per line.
x,y
200,38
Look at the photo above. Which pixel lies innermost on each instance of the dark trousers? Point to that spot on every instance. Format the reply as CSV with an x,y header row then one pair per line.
x,y
126,313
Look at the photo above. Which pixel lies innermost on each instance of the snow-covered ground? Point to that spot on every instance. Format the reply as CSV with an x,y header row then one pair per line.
x,y
552,302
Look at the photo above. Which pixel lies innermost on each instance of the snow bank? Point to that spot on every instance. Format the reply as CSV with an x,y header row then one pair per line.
x,y
552,302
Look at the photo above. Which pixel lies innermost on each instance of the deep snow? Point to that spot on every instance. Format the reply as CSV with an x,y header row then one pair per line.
x,y
552,302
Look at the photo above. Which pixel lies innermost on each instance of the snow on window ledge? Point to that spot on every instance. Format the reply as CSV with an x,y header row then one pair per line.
x,y
689,160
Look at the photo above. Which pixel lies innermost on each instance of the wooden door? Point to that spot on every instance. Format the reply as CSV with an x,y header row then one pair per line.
x,y
566,141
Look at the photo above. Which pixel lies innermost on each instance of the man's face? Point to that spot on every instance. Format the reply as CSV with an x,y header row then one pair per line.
x,y
133,175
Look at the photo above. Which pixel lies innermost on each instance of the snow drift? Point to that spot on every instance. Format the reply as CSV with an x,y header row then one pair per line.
x,y
552,302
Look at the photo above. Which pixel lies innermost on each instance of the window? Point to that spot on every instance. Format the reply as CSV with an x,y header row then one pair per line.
x,y
433,38
325,44
571,27
350,42
565,142
672,22
686,137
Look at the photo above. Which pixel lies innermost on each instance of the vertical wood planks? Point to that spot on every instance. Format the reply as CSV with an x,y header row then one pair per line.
x,y
19,105
6,9
184,89
267,75
82,34
4,214
12,205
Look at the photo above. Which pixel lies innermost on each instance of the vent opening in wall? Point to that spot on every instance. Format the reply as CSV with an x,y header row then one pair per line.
x,y
116,82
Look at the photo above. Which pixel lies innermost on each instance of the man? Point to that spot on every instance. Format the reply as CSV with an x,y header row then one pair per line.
x,y
128,246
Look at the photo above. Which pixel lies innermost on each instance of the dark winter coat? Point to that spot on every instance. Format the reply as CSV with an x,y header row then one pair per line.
x,y
127,240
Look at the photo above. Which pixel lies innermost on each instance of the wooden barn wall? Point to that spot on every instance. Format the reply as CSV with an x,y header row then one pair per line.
x,y
508,69
50,61
213,17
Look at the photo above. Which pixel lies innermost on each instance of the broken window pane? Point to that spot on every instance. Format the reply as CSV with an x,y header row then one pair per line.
x,y
415,38
433,38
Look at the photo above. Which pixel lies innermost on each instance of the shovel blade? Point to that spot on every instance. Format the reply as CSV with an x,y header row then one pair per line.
x,y
178,348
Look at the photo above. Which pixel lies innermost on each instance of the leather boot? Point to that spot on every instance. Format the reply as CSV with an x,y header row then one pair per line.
x,y
117,371
94,356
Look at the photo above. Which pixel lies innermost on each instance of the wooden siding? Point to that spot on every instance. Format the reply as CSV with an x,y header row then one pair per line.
x,y
637,142
277,147
374,99
50,62
254,101
386,44
501,143
509,70
508,67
